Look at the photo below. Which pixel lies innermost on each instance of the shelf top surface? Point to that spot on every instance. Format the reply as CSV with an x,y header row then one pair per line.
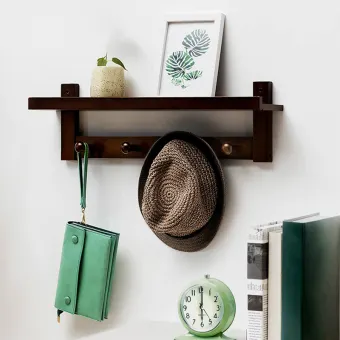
x,y
151,103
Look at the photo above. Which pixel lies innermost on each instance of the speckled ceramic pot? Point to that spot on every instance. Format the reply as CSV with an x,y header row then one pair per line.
x,y
108,81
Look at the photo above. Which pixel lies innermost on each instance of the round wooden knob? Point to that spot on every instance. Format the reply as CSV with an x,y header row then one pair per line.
x,y
125,147
79,147
227,149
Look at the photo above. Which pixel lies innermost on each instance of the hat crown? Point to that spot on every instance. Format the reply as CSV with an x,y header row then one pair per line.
x,y
180,192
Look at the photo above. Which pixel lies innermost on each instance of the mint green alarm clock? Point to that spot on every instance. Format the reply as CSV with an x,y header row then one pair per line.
x,y
207,309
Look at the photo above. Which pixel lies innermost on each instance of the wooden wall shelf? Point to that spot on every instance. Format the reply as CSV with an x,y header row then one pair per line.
x,y
257,148
151,103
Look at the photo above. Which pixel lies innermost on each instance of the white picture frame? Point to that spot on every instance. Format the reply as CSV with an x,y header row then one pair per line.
x,y
193,73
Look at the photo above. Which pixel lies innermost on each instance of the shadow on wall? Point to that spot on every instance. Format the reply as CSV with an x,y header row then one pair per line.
x,y
221,85
157,123
227,212
118,316
282,139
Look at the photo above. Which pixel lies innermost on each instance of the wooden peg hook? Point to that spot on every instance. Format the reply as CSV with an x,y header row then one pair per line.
x,y
227,149
79,147
126,147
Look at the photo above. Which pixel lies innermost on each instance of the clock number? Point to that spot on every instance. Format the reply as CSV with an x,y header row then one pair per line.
x,y
193,321
200,289
184,307
210,321
218,308
202,324
193,292
209,292
187,315
188,298
215,298
215,316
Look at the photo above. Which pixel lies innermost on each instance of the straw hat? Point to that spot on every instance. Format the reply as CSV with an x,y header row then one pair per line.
x,y
181,191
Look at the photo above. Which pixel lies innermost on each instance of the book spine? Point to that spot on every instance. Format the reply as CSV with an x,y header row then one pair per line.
x,y
257,280
320,308
274,285
292,280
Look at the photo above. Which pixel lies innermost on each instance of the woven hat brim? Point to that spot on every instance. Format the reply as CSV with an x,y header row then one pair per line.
x,y
201,238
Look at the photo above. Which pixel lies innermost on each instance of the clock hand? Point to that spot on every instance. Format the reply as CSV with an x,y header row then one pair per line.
x,y
206,313
201,304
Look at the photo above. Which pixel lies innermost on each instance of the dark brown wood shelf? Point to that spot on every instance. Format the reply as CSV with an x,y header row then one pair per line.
x,y
151,103
257,147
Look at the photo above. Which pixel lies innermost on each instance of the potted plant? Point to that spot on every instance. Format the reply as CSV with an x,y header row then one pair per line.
x,y
108,78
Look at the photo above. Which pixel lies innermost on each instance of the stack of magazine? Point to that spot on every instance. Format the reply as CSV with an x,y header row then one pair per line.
x,y
293,279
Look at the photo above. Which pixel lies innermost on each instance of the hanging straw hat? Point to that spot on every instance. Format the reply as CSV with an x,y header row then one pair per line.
x,y
181,191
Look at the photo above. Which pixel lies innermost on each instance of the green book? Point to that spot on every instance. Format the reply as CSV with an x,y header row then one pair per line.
x,y
310,279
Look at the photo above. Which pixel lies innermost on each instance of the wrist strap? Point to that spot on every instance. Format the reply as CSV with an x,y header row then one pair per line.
x,y
83,178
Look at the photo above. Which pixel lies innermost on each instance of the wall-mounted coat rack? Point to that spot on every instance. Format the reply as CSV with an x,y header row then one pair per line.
x,y
257,148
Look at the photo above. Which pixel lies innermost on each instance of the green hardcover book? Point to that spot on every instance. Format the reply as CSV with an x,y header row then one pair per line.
x,y
310,279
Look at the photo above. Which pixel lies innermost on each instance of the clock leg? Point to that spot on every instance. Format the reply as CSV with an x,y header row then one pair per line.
x,y
192,337
186,337
221,337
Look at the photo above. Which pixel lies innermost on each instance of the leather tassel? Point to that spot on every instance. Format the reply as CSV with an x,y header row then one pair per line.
x,y
58,315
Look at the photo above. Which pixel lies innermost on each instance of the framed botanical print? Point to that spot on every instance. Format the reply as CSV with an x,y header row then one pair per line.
x,y
191,55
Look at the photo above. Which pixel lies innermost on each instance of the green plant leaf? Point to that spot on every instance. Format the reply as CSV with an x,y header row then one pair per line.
x,y
197,43
178,63
102,61
193,75
119,62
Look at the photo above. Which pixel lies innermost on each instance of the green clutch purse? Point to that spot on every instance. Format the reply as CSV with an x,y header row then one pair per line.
x,y
87,263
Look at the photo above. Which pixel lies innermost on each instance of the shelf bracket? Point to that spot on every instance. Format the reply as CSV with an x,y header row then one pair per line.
x,y
69,124
263,124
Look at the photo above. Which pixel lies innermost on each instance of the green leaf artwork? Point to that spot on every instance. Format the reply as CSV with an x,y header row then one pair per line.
x,y
179,64
177,81
193,75
197,43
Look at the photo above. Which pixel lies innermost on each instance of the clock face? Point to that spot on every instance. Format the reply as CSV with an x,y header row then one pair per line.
x,y
202,308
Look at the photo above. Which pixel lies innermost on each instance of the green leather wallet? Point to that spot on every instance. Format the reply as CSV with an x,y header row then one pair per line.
x,y
87,264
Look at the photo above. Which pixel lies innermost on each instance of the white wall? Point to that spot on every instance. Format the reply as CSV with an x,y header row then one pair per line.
x,y
43,43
